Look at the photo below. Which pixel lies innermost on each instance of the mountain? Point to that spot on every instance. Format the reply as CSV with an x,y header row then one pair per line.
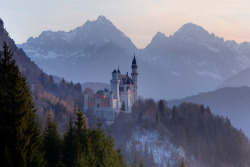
x,y
26,66
229,102
190,61
242,78
87,51
200,61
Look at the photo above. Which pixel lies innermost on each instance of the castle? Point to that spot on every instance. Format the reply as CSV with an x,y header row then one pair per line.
x,y
124,92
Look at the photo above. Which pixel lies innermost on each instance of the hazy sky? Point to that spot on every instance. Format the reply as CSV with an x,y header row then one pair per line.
x,y
138,19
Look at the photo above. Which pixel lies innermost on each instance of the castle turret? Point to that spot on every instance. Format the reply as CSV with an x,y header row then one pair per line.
x,y
115,84
118,71
111,99
134,75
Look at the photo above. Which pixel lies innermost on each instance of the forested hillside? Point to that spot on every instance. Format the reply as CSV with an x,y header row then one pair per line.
x,y
206,139
23,144
58,98
229,102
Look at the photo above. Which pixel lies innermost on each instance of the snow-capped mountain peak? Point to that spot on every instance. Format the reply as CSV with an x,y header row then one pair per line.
x,y
95,33
192,31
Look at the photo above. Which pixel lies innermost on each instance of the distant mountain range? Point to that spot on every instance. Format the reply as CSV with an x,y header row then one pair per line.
x,y
229,102
188,62
242,78
87,53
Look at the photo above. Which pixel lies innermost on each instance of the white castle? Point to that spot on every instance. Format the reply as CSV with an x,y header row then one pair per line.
x,y
124,92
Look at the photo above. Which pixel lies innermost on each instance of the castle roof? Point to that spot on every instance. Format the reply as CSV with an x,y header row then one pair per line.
x,y
119,71
125,79
129,81
134,61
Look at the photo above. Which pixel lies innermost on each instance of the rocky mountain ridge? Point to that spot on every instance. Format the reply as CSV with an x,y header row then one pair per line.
x,y
190,61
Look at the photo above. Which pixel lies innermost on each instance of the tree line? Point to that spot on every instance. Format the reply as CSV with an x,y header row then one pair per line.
x,y
207,139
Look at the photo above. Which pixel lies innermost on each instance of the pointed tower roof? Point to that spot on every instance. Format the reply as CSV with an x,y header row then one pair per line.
x,y
118,70
134,60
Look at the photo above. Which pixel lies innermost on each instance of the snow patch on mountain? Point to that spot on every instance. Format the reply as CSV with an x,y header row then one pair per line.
x,y
214,75
175,73
213,49
202,63
160,147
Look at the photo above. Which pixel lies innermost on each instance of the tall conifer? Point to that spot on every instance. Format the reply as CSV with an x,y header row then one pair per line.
x,y
52,143
19,132
70,145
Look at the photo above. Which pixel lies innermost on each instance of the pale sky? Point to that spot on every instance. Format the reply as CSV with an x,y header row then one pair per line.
x,y
140,20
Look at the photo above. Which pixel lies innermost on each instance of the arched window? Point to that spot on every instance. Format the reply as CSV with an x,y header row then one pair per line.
x,y
98,105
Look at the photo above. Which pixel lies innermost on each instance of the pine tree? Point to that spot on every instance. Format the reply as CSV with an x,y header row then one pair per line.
x,y
81,131
135,162
97,137
19,132
60,162
121,158
141,163
182,163
80,160
52,143
161,107
69,145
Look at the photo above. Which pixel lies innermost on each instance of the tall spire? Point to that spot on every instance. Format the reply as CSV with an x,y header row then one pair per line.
x,y
118,70
134,60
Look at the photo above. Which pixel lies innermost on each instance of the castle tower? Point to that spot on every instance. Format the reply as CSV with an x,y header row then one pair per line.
x,y
111,99
115,86
134,75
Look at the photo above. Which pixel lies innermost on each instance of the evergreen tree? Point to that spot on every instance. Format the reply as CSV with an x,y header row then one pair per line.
x,y
161,107
60,162
69,145
141,163
20,135
135,162
98,144
182,163
121,158
52,143
80,161
81,131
